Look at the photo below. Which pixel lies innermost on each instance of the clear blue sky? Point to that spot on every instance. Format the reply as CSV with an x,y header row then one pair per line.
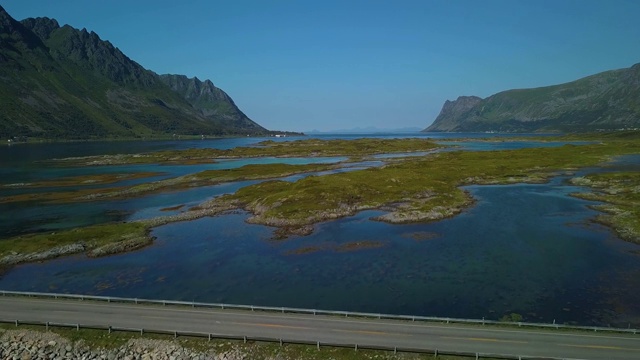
x,y
325,64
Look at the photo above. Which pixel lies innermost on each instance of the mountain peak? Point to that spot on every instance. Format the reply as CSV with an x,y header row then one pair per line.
x,y
16,35
3,12
41,26
65,82
212,102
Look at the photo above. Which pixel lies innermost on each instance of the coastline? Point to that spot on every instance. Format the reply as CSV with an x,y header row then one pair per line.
x,y
398,187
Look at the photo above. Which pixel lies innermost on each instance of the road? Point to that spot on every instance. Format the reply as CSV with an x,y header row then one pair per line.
x,y
328,329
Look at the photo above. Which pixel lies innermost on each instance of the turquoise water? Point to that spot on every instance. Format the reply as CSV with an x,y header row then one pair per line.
x,y
528,249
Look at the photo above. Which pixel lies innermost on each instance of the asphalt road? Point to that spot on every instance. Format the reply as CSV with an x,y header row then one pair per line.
x,y
327,329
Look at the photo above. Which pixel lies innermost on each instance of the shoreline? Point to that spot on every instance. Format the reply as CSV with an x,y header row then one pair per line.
x,y
428,188
167,137
283,228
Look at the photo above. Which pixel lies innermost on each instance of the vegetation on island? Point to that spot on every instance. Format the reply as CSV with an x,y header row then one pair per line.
x,y
268,148
203,178
620,193
95,240
82,180
411,189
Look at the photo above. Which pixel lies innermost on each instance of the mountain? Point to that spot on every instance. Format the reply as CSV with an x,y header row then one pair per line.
x,y
605,101
212,103
59,82
367,130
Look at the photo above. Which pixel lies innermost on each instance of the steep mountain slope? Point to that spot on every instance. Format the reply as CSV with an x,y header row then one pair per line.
x,y
60,82
608,100
212,103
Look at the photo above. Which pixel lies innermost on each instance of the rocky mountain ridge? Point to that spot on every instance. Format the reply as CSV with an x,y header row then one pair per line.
x,y
606,101
59,82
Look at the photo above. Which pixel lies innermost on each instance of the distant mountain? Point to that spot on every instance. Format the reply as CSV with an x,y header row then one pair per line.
x,y
367,130
64,83
608,100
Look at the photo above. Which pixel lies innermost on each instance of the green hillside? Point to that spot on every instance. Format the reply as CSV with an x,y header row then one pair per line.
x,y
605,101
64,83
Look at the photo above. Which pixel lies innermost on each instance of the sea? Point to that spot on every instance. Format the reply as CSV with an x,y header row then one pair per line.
x,y
526,249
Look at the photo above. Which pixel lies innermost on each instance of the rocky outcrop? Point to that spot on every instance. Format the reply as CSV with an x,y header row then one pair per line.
x,y
121,246
16,258
32,345
454,110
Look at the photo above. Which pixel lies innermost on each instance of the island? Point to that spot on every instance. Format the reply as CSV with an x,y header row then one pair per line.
x,y
423,188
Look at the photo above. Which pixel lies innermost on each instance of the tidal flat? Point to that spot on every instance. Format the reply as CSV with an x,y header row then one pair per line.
x,y
410,189
296,148
447,232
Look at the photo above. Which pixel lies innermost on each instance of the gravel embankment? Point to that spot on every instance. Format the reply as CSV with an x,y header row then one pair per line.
x,y
32,345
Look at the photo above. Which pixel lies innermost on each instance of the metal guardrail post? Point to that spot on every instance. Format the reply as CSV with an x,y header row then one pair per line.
x,y
395,349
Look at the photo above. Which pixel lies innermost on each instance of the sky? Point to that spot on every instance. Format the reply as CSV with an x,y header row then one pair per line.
x,y
304,65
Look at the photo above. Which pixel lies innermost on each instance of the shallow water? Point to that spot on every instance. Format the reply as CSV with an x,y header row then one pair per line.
x,y
32,217
492,260
505,145
528,249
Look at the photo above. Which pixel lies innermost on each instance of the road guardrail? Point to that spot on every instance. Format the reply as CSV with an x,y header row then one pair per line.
x,y
291,310
281,341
